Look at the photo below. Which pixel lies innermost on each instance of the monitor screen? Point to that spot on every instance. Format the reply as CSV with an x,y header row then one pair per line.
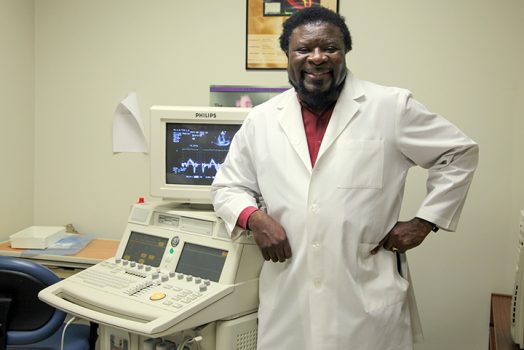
x,y
200,261
145,249
188,145
194,152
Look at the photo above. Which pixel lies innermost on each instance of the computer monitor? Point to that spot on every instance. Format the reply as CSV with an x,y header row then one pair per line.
x,y
188,146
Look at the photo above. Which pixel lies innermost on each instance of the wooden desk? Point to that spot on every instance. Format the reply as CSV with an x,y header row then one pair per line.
x,y
66,265
500,323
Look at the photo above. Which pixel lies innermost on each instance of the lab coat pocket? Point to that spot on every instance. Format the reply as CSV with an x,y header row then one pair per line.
x,y
361,165
270,284
378,278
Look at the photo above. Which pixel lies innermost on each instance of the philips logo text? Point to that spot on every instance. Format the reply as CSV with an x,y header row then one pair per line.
x,y
205,115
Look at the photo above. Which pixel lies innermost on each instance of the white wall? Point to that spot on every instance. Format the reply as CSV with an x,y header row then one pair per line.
x,y
461,58
16,115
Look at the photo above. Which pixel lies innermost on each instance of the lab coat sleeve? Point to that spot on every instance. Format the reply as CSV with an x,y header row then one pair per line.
x,y
235,187
450,156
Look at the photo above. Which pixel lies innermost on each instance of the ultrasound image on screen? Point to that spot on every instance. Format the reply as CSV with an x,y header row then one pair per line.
x,y
194,152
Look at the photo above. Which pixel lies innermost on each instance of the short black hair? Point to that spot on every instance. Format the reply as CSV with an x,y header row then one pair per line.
x,y
314,14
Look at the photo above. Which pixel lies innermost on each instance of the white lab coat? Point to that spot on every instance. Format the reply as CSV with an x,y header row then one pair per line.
x,y
332,294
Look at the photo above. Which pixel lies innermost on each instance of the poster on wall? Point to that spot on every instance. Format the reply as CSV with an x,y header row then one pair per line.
x,y
241,96
264,25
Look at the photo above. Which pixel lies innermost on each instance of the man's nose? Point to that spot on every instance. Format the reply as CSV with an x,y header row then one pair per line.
x,y
317,56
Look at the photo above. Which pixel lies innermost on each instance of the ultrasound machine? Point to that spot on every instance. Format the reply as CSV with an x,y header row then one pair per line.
x,y
177,281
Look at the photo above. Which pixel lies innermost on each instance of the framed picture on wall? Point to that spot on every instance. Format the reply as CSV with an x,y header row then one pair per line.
x,y
264,24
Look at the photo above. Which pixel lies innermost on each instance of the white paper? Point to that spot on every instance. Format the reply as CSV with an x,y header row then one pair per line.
x,y
128,129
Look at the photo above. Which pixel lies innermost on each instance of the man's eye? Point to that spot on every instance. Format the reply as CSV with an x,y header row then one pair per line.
x,y
302,50
331,49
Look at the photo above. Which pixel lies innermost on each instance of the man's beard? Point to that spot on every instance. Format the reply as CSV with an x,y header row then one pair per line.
x,y
317,100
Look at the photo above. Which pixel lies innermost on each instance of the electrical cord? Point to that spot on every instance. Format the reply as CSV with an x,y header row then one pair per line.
x,y
64,330
188,341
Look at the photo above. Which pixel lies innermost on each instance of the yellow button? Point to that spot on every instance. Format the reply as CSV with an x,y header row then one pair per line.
x,y
157,296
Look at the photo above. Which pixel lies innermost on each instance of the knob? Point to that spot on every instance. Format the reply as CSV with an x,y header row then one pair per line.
x,y
189,278
164,278
202,287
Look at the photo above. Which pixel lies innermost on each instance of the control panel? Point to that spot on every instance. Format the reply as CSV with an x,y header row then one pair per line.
x,y
174,269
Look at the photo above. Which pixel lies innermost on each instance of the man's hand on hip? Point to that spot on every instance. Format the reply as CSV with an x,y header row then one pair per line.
x,y
270,237
404,235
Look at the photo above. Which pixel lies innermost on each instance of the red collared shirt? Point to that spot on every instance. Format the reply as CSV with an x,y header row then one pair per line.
x,y
315,126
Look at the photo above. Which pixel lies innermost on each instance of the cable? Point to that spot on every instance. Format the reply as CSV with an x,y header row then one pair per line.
x,y
64,330
188,341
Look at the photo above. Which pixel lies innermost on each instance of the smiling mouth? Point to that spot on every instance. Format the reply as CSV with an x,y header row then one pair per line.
x,y
317,75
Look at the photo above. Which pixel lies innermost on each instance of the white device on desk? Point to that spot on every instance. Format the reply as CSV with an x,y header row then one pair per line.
x,y
517,305
37,237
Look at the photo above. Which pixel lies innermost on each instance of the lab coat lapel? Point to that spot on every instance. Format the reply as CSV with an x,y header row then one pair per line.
x,y
346,108
290,119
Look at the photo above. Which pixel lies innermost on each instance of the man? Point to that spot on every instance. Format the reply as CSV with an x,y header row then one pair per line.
x,y
329,158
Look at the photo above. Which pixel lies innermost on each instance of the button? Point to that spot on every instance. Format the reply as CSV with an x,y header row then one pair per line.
x,y
202,287
125,262
198,280
207,282
172,274
180,276
118,260
154,275
164,278
189,278
132,264
317,282
314,208
157,296
148,268
316,245
140,266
